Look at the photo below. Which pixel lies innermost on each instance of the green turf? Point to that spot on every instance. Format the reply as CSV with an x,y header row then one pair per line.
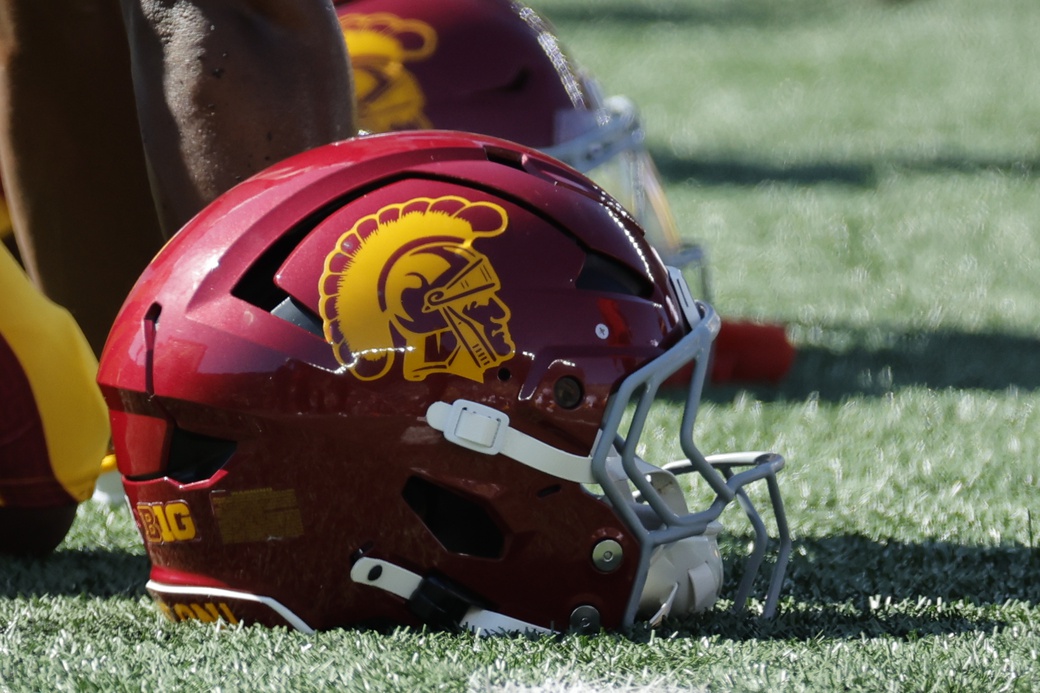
x,y
863,171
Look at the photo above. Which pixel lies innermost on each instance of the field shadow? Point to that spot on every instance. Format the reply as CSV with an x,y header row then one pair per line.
x,y
841,587
749,13
95,572
748,172
736,171
879,359
849,586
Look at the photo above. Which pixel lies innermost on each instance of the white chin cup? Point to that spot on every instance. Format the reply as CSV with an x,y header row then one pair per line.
x,y
684,577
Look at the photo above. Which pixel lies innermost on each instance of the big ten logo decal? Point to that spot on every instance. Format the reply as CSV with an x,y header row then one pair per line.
x,y
207,612
165,523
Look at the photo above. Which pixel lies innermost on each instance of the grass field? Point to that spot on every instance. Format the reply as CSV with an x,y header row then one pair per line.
x,y
865,172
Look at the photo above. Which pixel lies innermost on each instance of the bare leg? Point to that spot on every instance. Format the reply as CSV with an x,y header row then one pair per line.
x,y
226,88
72,161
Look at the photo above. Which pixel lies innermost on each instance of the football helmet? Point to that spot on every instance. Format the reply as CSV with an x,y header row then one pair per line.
x,y
53,422
404,379
496,67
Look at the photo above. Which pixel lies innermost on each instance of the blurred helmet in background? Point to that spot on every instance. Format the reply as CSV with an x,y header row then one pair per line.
x,y
496,67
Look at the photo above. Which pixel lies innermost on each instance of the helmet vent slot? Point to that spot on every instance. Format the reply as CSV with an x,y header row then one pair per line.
x,y
460,525
519,81
507,157
257,285
549,491
601,273
196,457
298,314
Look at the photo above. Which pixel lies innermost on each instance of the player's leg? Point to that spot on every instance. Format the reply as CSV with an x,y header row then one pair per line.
x,y
226,88
73,165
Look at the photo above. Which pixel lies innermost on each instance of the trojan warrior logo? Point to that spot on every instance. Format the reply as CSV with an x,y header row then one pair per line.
x,y
406,282
388,95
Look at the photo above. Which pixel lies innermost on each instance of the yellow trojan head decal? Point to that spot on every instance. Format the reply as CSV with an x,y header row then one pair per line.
x,y
388,95
406,281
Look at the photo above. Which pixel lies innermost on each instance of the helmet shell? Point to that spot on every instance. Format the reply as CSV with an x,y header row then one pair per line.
x,y
488,66
263,450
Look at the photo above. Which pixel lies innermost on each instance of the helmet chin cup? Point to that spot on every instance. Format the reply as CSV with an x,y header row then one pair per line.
x,y
684,577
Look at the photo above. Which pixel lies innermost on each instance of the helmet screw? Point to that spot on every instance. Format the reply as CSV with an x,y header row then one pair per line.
x,y
585,619
607,555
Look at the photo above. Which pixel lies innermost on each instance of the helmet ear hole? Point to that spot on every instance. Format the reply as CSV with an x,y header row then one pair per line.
x,y
460,525
568,392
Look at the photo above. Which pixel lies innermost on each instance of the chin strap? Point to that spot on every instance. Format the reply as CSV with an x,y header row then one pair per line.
x,y
481,428
435,601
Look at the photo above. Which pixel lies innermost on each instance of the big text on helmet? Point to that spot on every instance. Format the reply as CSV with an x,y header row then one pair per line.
x,y
164,523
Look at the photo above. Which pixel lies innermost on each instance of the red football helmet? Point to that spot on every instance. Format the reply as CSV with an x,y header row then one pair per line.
x,y
497,68
402,379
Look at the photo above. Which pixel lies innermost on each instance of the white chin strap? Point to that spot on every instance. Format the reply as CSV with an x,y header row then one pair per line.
x,y
405,584
483,429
